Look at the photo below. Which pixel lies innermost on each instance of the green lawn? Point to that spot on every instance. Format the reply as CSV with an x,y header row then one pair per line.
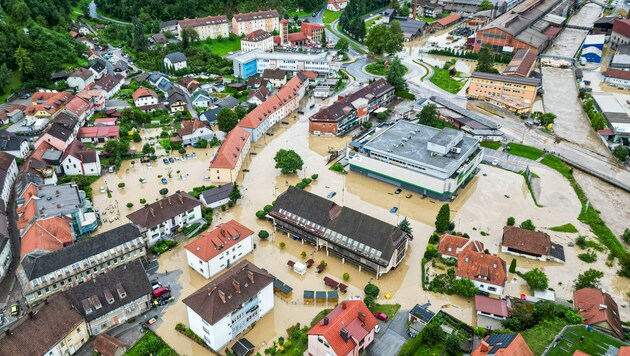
x,y
220,48
151,344
557,164
378,68
428,19
292,14
14,82
564,228
595,343
330,16
320,316
541,335
532,153
442,79
491,145
371,21
389,309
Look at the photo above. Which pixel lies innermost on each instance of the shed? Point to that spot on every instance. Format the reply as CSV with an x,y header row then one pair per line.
x,y
320,297
421,314
277,285
286,291
243,347
333,296
308,296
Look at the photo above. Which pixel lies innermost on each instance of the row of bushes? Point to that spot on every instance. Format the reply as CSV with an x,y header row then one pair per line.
x,y
505,58
163,246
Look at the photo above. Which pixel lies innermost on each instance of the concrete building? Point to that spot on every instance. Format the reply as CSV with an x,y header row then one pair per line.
x,y
44,274
194,130
46,235
592,48
226,163
352,110
432,162
6,250
258,39
620,32
244,24
53,328
81,78
313,31
616,113
429,8
79,160
175,61
336,5
354,237
113,298
215,251
206,27
229,304
617,77
512,92
8,175
256,61
166,216
471,123
348,329
487,272
531,244
14,145
621,58
522,63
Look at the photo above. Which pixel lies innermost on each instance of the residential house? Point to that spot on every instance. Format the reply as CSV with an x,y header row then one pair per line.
x,y
98,134
80,108
8,175
113,298
46,235
226,163
421,314
68,121
351,110
110,85
52,328
11,113
522,63
229,102
257,39
194,130
451,245
106,121
79,160
99,68
244,24
215,251
429,8
48,108
121,68
95,97
370,243
210,115
190,84
487,272
258,96
107,345
599,310
42,201
169,26
277,77
231,303
12,144
177,100
166,216
80,78
490,312
59,76
175,61
503,344
158,39
336,5
447,21
512,92
143,97
216,197
531,244
206,27
411,28
58,135
6,250
201,99
620,32
44,274
257,82
347,330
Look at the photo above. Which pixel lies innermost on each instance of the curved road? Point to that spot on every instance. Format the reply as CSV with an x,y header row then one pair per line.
x,y
94,14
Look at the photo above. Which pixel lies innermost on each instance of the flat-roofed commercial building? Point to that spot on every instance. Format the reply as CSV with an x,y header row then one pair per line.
x,y
256,61
423,159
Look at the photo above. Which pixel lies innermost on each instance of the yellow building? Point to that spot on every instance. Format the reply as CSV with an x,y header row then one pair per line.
x,y
244,24
206,27
227,162
507,91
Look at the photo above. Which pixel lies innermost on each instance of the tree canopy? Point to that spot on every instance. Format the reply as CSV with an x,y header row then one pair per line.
x,y
395,74
288,161
226,120
443,218
485,62
384,39
405,226
485,5
536,279
428,115
588,279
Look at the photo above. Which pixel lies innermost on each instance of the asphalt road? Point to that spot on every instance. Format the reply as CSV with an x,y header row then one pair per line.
x,y
392,336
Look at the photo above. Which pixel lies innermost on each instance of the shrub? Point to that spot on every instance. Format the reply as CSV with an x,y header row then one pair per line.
x,y
129,205
511,221
581,241
337,167
182,151
163,191
283,245
260,214
263,234
300,185
303,254
528,225
346,276
369,302
267,208
307,181
143,201
588,257
323,263
513,265
371,290
315,176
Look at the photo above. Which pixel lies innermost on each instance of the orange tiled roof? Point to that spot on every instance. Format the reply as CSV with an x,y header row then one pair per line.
x,y
78,106
451,245
597,306
481,267
226,235
231,149
190,126
141,92
46,234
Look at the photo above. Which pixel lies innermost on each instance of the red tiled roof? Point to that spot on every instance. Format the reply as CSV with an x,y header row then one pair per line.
x,y
250,16
491,306
622,27
346,315
142,92
190,126
107,345
624,351
449,19
532,242
231,149
49,234
78,106
99,131
450,245
481,267
617,73
582,353
552,31
517,347
256,36
521,63
596,306
297,37
226,235
106,120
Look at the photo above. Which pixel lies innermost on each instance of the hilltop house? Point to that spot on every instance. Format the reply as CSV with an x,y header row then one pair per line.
x,y
175,61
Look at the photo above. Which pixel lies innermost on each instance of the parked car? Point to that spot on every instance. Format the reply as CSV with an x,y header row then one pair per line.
x,y
377,329
101,189
15,309
158,292
188,156
165,160
393,210
172,160
495,162
155,284
111,169
398,191
149,165
164,181
205,178
380,316
194,155
331,194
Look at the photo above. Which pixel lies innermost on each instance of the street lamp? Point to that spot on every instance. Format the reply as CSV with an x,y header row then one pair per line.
x,y
304,172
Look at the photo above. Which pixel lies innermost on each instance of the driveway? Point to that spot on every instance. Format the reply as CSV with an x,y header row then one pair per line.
x,y
392,336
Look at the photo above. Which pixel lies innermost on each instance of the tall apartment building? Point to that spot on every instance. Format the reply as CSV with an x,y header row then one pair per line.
x,y
244,24
206,27
228,160
507,91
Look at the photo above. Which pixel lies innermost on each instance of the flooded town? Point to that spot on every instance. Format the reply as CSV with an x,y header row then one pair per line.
x,y
340,177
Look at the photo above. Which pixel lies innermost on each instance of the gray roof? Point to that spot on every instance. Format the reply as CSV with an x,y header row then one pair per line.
x,y
60,131
164,209
98,65
54,200
169,23
228,102
130,279
421,312
369,237
216,194
10,142
411,27
482,121
176,57
210,115
37,265
557,251
515,79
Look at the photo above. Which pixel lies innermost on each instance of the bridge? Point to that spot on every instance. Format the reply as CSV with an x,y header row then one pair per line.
x,y
558,58
585,28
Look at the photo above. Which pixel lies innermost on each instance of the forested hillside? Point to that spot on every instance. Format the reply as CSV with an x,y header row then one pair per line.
x,y
169,10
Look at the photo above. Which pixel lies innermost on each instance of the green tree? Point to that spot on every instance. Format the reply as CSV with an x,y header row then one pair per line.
x,y
263,234
621,153
404,11
598,121
528,225
588,279
235,194
346,276
371,290
147,149
485,5
395,5
452,345
513,266
536,279
226,120
395,75
136,137
433,334
511,221
23,60
405,226
443,218
626,236
342,45
20,12
5,77
428,115
116,148
324,40
485,61
395,39
240,112
203,143
377,38
288,161
139,41
163,191
547,118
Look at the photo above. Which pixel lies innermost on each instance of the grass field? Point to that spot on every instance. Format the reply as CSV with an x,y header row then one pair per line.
x,y
379,69
389,309
150,344
330,16
541,335
14,82
564,228
292,14
221,48
442,79
491,145
595,343
525,151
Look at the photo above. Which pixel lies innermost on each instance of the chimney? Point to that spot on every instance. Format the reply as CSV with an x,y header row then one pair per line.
x,y
414,9
603,307
169,201
222,296
46,301
344,334
250,276
236,285
8,331
31,315
152,212
362,317
325,321
484,347
210,290
160,204
343,305
180,198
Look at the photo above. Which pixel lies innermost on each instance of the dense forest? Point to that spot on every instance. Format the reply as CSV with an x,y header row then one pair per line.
x,y
164,10
351,21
